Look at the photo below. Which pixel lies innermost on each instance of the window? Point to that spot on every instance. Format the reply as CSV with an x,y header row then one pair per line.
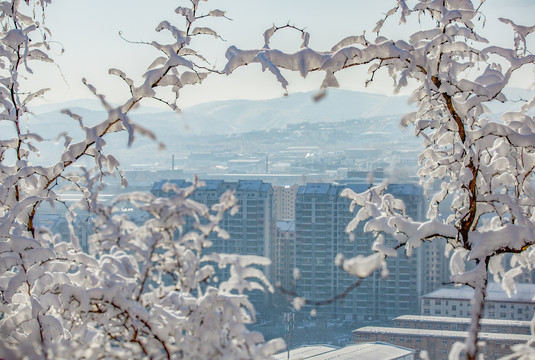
x,y
453,307
445,342
418,339
519,311
437,302
502,315
393,339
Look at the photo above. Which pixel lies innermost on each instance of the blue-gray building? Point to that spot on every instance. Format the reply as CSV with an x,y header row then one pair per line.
x,y
251,229
321,216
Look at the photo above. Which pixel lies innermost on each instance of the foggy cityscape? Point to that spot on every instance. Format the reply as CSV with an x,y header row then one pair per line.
x,y
282,180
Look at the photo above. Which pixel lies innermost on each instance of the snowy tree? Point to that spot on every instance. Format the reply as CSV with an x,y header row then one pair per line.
x,y
482,165
146,289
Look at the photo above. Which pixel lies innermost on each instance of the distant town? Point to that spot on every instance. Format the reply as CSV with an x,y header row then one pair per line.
x,y
302,226
288,183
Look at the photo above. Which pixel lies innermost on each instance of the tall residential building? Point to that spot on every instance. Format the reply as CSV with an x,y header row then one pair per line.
x,y
285,201
321,218
283,257
251,229
435,265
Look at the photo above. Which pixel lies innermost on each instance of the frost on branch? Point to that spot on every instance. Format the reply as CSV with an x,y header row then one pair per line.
x,y
482,165
146,288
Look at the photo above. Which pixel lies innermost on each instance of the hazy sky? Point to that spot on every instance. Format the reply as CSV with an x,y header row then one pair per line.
x,y
88,31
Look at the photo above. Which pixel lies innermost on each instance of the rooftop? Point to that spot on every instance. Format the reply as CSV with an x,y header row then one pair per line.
x,y
524,293
457,320
305,352
499,337
317,188
252,185
364,351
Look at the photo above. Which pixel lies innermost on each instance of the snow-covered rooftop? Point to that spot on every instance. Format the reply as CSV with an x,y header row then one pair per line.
x,y
442,333
305,352
524,293
364,351
457,320
367,351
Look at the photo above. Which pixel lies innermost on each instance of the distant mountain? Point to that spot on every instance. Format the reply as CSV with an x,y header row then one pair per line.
x,y
220,119
239,116
228,117
242,116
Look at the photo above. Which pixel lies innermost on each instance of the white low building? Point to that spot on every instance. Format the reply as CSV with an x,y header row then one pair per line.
x,y
455,302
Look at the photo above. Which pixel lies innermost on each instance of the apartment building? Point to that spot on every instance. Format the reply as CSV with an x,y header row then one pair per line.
x,y
321,218
284,198
283,256
251,230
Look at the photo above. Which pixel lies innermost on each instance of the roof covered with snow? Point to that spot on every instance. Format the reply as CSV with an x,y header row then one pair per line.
x,y
460,320
305,352
441,333
367,351
524,293
364,351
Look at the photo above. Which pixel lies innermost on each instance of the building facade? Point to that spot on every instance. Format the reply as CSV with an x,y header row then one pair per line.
x,y
455,302
321,219
438,343
283,257
285,201
251,229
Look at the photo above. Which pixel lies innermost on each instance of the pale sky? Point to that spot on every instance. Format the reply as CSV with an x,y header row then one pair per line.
x,y
88,30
